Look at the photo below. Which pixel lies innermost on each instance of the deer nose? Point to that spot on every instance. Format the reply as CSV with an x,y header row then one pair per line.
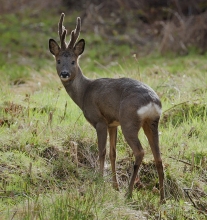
x,y
64,75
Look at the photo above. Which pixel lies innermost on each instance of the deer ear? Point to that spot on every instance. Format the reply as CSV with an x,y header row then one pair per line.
x,y
54,47
79,47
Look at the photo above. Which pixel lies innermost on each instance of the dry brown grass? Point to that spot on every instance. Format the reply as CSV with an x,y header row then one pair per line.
x,y
181,33
21,5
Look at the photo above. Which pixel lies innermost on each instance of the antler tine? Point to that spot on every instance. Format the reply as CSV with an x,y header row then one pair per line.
x,y
75,33
62,31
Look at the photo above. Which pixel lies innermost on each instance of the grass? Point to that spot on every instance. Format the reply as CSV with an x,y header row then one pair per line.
x,y
48,152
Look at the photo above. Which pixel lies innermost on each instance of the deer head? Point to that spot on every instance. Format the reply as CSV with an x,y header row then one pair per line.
x,y
66,55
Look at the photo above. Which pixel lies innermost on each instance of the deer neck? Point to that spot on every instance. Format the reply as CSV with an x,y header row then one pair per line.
x,y
76,87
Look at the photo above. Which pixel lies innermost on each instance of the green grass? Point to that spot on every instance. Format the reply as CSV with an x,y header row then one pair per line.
x,y
40,129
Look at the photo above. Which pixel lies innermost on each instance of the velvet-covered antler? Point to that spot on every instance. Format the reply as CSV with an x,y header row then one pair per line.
x,y
75,33
62,32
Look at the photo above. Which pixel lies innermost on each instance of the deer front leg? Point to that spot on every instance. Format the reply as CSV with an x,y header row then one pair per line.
x,y
101,130
112,154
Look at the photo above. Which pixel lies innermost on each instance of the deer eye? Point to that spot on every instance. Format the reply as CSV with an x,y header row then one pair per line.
x,y
58,61
73,62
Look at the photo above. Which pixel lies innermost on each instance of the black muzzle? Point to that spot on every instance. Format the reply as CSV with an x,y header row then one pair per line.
x,y
64,75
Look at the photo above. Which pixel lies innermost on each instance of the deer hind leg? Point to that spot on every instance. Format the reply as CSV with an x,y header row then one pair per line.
x,y
150,127
130,132
112,154
101,130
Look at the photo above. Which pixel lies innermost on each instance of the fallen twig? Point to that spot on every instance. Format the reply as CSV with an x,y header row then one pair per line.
x,y
183,161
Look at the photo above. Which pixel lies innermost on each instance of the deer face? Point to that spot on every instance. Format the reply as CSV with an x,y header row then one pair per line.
x,y
66,59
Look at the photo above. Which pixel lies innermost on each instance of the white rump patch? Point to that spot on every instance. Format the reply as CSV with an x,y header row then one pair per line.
x,y
150,110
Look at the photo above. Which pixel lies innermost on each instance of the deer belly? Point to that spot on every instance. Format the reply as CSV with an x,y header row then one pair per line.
x,y
114,124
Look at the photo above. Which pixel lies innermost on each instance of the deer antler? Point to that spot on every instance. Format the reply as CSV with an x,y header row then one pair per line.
x,y
75,33
62,31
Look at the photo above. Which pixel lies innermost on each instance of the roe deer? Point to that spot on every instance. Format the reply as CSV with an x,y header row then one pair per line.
x,y
107,103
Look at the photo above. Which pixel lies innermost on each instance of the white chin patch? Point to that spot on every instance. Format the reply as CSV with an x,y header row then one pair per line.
x,y
64,78
150,110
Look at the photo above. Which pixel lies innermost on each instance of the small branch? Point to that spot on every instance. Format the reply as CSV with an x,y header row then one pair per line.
x,y
186,192
174,106
185,162
14,215
198,206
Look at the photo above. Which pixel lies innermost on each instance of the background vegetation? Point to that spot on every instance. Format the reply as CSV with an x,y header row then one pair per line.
x,y
48,152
